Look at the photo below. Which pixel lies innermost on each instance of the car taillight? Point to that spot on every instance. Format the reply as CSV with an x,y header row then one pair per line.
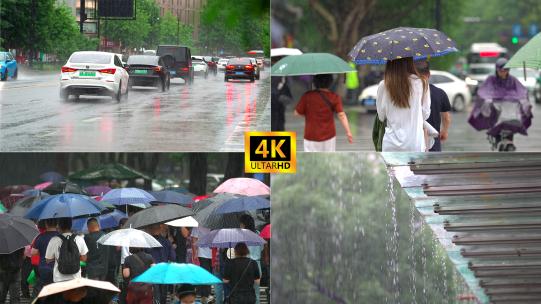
x,y
249,67
68,69
185,69
157,69
127,68
108,71
230,67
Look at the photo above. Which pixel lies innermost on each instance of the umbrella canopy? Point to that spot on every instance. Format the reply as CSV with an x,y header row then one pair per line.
x,y
12,199
188,221
228,238
129,238
180,190
51,176
402,42
528,56
108,172
97,190
266,232
244,203
243,186
15,233
33,192
42,185
310,64
3,209
64,187
7,190
107,221
22,206
285,52
129,196
65,205
206,216
172,197
59,287
175,273
157,215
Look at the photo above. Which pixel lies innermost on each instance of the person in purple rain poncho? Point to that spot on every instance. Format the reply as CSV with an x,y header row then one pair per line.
x,y
502,108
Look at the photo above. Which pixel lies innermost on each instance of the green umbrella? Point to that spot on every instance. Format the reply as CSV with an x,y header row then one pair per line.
x,y
2,208
107,172
528,56
310,64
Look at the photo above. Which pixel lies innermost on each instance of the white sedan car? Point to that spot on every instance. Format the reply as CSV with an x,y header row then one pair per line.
x,y
222,63
94,73
200,67
456,89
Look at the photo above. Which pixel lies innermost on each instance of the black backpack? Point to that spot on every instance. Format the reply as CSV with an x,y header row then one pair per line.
x,y
68,256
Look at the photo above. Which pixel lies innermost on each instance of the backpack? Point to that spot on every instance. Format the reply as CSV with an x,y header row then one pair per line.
x,y
69,256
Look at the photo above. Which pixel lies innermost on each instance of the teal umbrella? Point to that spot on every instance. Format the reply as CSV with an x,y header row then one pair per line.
x,y
310,64
528,56
175,273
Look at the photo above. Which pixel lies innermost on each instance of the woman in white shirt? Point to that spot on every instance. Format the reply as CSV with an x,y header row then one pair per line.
x,y
404,101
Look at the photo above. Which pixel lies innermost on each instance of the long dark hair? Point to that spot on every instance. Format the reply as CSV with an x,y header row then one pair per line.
x,y
248,222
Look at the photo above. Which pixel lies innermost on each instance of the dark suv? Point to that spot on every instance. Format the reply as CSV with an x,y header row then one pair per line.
x,y
178,60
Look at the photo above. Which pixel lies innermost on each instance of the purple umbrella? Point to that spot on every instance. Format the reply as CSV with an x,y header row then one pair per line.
x,y
97,190
52,176
228,238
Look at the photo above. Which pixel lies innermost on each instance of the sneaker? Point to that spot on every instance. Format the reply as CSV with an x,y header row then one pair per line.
x,y
210,299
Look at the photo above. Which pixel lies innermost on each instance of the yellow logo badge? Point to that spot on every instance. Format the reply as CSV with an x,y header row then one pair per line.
x,y
270,152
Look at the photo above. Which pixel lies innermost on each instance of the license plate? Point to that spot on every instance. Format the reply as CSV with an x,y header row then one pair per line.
x,y
239,73
87,73
140,71
369,102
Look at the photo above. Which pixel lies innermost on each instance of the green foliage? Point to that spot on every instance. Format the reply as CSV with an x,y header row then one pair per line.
x,y
333,237
235,26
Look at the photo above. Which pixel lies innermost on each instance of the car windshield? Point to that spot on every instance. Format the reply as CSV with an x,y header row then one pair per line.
x,y
144,60
208,58
91,58
482,70
239,61
3,56
178,52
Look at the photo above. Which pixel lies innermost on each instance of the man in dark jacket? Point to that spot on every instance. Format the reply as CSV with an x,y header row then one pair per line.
x,y
163,254
10,276
97,257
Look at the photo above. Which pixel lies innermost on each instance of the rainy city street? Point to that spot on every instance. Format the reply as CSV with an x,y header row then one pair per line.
x,y
210,115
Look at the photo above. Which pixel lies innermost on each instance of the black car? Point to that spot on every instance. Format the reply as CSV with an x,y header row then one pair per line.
x,y
212,62
178,60
240,68
146,70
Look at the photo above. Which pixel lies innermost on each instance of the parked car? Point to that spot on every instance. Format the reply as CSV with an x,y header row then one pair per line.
x,y
456,89
146,70
212,63
256,67
530,82
239,68
222,63
150,52
477,74
368,96
93,73
8,66
178,60
200,67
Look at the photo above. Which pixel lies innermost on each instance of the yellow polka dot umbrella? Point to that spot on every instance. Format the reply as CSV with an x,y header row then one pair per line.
x,y
402,42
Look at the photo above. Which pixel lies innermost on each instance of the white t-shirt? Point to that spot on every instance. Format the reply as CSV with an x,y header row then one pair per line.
x,y
404,131
202,252
53,253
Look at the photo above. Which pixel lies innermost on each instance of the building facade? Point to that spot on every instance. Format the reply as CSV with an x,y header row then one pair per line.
x,y
187,11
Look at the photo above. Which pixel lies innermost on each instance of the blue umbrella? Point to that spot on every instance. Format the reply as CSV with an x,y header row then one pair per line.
x,y
129,196
228,238
244,203
33,192
175,273
52,176
107,220
180,190
172,197
65,205
402,42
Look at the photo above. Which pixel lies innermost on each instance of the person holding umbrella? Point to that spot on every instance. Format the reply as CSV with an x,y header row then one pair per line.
x,y
318,107
135,264
186,294
242,274
10,276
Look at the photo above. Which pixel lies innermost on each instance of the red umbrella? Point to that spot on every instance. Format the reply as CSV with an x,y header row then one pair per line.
x,y
6,191
10,200
266,232
42,185
200,198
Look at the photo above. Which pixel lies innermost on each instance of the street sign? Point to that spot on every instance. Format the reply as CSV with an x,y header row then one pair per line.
x,y
90,27
534,29
116,8
517,30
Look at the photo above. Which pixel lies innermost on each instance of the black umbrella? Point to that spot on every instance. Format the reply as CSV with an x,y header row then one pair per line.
x,y
23,205
206,215
157,215
15,233
402,42
64,187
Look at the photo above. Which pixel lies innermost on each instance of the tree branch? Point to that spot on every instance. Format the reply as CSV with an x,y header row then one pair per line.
x,y
331,20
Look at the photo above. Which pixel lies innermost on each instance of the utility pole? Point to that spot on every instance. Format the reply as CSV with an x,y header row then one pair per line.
x,y
438,14
82,14
33,35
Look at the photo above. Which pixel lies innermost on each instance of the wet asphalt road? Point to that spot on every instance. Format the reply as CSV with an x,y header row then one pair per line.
x,y
208,116
462,137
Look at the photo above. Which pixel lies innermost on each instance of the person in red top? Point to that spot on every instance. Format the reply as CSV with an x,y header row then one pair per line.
x,y
318,107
